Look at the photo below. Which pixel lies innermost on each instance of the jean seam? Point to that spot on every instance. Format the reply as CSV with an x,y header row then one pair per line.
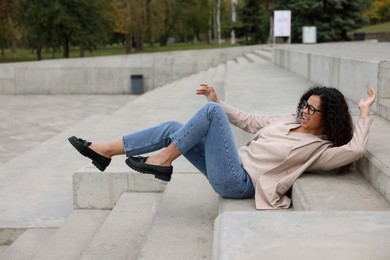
x,y
178,140
228,152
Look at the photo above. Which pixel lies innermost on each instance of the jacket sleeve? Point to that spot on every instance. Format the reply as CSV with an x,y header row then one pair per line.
x,y
246,121
334,157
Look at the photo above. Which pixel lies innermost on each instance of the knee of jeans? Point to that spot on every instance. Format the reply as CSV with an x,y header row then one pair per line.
x,y
173,126
214,106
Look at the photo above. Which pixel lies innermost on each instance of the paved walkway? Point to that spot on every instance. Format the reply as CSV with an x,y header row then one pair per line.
x,y
27,120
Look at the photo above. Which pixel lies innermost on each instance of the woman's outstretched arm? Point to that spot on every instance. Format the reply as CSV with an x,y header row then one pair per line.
x,y
365,104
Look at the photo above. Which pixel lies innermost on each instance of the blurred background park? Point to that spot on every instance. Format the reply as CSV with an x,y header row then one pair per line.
x,y
48,29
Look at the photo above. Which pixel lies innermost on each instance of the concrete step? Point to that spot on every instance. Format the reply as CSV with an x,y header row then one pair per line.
x,y
244,205
95,190
263,89
338,192
264,54
255,58
183,225
27,245
302,235
122,234
2,249
219,73
36,186
210,73
231,62
384,108
227,205
267,49
375,165
72,237
243,60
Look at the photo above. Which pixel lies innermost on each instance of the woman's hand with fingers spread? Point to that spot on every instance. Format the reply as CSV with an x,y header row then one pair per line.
x,y
365,104
208,91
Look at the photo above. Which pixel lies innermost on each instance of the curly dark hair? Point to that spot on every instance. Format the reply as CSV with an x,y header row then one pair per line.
x,y
335,116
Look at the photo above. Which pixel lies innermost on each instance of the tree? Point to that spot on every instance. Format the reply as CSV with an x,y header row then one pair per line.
x,y
168,11
4,24
9,28
92,26
36,18
378,11
250,16
333,18
55,23
79,22
194,15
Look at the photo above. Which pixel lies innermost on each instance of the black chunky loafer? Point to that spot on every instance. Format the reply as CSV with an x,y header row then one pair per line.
x,y
100,161
160,172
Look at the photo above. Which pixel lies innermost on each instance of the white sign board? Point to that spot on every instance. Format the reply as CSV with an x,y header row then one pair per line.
x,y
282,23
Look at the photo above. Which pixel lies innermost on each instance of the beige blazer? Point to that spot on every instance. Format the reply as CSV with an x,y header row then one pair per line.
x,y
311,153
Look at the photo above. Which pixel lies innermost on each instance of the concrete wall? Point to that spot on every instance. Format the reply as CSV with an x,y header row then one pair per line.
x,y
380,37
110,75
350,76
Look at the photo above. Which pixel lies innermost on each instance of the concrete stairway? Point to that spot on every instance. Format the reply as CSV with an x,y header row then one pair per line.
x,y
105,190
120,214
335,216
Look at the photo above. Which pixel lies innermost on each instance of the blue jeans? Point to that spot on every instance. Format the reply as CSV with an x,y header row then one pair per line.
x,y
206,140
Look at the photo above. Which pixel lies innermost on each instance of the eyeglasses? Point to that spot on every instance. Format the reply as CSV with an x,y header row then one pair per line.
x,y
310,109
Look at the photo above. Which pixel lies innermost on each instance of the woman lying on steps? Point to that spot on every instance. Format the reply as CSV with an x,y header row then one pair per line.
x,y
319,136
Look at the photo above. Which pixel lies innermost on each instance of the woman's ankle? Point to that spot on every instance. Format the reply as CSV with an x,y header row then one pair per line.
x,y
158,160
100,149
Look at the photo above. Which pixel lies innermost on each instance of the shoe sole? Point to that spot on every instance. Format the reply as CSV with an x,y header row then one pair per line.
x,y
81,151
157,176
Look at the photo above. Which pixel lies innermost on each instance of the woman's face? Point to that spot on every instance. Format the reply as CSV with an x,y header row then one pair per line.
x,y
312,124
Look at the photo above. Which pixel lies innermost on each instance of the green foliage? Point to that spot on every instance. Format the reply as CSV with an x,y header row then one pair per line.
x,y
378,11
194,14
333,18
56,23
250,16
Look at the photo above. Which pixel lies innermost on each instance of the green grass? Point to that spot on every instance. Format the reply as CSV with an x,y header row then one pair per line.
x,y
29,55
376,28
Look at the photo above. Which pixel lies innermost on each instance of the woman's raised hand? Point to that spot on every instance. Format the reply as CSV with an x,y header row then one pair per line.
x,y
365,104
208,91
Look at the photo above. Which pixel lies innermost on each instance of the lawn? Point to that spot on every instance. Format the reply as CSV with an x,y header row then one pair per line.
x,y
29,55
377,28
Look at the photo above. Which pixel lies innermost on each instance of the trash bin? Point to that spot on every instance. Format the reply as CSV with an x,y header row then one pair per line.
x,y
359,36
309,34
137,84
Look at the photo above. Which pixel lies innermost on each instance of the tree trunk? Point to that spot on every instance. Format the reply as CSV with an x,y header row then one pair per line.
x,y
13,46
138,36
39,51
66,47
163,40
149,23
81,51
210,25
128,42
218,20
234,18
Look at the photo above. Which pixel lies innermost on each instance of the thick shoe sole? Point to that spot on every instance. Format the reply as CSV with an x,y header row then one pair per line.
x,y
156,175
